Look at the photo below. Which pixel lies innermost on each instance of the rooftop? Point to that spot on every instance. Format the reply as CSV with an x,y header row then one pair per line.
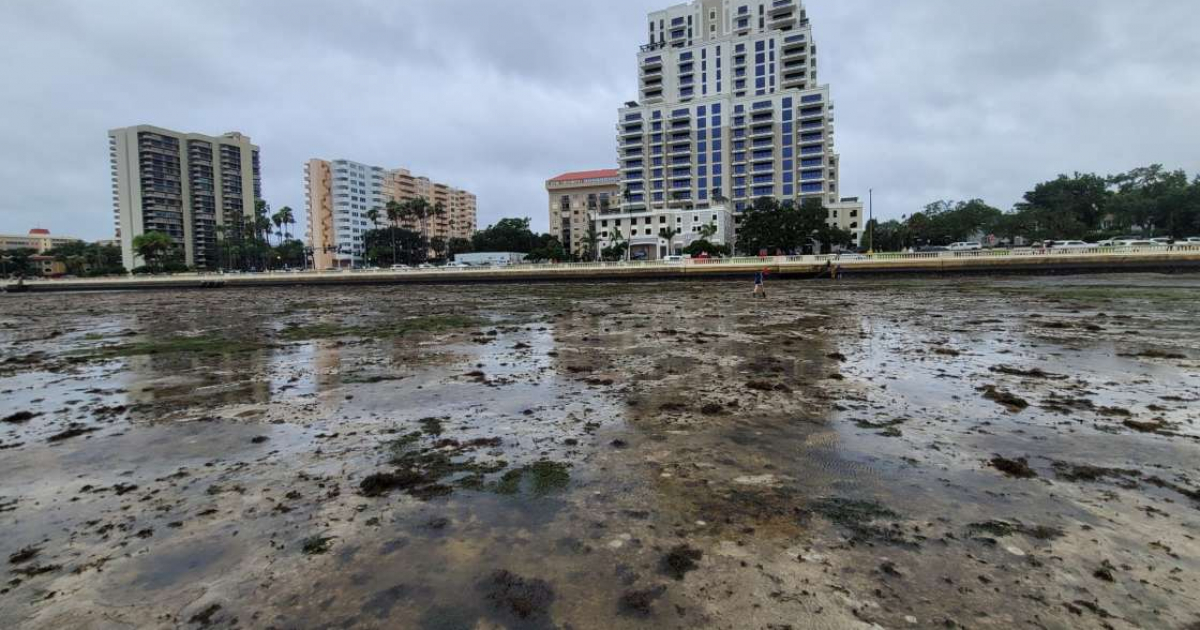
x,y
577,176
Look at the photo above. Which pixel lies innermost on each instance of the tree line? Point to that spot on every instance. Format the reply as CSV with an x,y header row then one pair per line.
x,y
1147,202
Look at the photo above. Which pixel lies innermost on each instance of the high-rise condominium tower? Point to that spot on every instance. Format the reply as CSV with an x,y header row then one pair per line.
x,y
730,110
184,185
340,193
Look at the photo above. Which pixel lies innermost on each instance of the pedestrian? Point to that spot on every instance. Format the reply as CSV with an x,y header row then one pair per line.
x,y
760,289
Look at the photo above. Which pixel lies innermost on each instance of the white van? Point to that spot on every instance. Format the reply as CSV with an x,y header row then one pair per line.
x,y
967,246
1070,244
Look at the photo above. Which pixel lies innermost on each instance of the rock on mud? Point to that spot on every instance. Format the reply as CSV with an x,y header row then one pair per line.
x,y
680,560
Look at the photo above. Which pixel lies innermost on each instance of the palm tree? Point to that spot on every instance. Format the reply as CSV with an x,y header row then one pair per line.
x,y
153,247
707,231
592,238
395,211
289,219
277,219
666,234
373,216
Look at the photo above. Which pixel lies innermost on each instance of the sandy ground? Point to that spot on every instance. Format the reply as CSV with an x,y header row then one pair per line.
x,y
976,453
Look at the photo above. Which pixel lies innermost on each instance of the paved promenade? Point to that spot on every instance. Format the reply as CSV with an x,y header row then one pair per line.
x,y
995,261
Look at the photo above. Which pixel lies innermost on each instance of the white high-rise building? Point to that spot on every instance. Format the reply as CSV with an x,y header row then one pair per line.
x,y
730,110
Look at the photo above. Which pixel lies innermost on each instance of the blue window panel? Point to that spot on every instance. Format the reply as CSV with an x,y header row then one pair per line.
x,y
788,190
760,83
787,165
701,146
812,162
633,116
685,56
811,98
739,108
739,145
787,113
787,140
738,169
787,152
760,58
703,192
657,161
740,206
657,126
763,191
816,149
703,55
760,92
658,172
787,102
760,71
787,127
658,185
656,137
810,175
681,172
657,115
635,186
716,170
657,150
739,84
718,84
788,177
739,192
677,21
637,197
700,111
739,181
760,45
716,145
763,179
716,182
658,196
700,158
811,187
739,133
765,166
810,137
700,123
702,171
760,105
716,133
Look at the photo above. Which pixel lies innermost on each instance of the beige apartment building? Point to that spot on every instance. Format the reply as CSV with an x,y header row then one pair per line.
x,y
184,185
38,239
579,198
340,194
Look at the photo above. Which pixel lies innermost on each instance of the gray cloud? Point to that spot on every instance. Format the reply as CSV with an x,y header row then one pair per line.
x,y
935,98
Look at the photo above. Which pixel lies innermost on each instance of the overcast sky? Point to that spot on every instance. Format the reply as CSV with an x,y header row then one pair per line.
x,y
935,99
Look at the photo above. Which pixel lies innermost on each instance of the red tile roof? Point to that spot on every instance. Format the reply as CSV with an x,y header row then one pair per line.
x,y
44,231
582,175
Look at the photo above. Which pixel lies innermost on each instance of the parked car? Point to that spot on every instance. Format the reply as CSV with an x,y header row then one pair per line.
x,y
1163,241
966,246
673,259
1128,242
1069,244
1192,240
932,249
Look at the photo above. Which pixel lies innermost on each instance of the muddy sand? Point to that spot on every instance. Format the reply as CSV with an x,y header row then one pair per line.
x,y
967,453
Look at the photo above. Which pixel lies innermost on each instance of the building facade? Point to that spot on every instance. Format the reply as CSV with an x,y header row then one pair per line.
x,y
185,185
580,198
730,110
38,239
340,193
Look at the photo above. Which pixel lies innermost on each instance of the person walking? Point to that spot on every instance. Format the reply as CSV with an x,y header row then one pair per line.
x,y
760,289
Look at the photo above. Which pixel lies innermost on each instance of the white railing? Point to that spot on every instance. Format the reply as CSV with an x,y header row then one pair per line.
x,y
697,264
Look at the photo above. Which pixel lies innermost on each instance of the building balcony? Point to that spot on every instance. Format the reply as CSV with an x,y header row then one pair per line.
x,y
781,6
680,150
762,132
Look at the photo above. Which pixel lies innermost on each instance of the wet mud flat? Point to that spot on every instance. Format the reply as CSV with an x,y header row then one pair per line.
x,y
975,453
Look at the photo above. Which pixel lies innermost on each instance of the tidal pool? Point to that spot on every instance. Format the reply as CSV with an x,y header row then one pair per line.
x,y
980,453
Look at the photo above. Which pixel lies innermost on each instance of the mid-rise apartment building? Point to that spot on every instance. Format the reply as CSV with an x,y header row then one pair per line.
x,y
340,194
39,240
730,110
579,198
188,186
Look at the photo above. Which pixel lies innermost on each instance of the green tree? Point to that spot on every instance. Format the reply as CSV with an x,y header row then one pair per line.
x,y
506,235
154,248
